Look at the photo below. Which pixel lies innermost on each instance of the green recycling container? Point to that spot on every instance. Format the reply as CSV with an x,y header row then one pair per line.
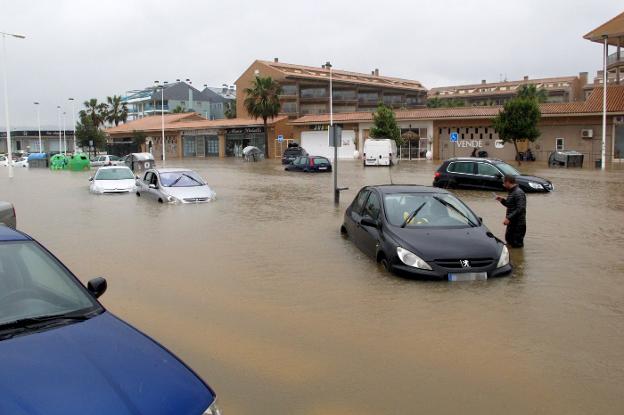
x,y
79,162
58,162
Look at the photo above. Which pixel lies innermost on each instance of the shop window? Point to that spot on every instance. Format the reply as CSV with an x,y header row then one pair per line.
x,y
559,144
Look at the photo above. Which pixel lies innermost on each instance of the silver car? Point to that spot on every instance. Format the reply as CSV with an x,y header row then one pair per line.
x,y
106,160
7,215
171,185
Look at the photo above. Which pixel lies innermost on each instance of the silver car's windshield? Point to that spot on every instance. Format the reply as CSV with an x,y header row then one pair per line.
x,y
434,210
33,284
181,179
121,173
507,169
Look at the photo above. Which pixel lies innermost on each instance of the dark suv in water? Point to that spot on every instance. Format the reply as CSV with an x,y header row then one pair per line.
x,y
486,174
291,153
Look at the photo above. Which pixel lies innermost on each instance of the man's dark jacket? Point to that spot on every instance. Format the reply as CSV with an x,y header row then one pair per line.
x,y
516,206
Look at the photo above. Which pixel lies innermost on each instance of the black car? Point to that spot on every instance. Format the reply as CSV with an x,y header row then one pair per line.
x,y
310,164
424,231
291,153
486,174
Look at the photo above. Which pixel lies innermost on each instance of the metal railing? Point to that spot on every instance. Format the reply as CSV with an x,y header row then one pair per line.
x,y
613,58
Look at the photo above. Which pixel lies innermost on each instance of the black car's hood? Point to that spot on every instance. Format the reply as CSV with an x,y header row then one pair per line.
x,y
525,179
442,243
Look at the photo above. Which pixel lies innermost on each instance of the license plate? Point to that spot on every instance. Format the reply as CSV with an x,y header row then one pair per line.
x,y
322,168
468,276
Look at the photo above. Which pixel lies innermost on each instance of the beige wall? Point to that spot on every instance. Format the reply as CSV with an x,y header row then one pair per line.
x,y
245,81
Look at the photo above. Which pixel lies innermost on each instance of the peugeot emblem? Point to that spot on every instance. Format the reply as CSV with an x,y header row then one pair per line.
x,y
464,263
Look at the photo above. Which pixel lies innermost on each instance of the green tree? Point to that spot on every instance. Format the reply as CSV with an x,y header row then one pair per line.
x,y
518,121
86,132
230,109
385,125
97,111
532,92
138,138
262,101
117,110
178,110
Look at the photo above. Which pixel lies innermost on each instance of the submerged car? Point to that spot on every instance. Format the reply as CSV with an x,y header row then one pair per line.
x,y
106,160
171,185
113,179
485,174
62,352
424,231
292,152
310,164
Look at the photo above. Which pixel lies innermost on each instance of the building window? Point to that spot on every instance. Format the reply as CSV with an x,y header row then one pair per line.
x,y
313,92
559,144
289,89
368,97
289,107
345,95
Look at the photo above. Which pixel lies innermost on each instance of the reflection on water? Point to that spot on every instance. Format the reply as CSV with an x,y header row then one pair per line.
x,y
259,293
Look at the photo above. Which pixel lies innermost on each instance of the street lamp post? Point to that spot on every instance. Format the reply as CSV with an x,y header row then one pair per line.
x,y
58,110
64,136
603,144
162,115
6,98
39,127
74,119
333,135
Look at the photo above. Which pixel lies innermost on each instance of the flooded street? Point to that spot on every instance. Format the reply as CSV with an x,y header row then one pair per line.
x,y
260,294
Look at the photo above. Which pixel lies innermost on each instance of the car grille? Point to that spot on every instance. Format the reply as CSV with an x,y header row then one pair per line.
x,y
195,199
457,263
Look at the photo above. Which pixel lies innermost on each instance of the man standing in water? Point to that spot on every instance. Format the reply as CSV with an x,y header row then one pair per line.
x,y
515,218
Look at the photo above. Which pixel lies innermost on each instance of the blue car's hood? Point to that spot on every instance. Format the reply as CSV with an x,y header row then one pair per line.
x,y
100,366
437,243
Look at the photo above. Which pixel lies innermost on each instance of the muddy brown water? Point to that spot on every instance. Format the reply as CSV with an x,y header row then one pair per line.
x,y
263,298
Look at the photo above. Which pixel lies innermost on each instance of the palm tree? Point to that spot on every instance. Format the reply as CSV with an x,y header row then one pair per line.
x,y
531,92
117,110
96,111
230,109
262,101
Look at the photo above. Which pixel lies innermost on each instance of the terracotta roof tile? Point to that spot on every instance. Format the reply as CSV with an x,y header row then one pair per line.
x,y
152,122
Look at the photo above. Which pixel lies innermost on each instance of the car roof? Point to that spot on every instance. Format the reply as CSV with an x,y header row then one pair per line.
x,y
476,159
113,167
171,170
10,234
407,188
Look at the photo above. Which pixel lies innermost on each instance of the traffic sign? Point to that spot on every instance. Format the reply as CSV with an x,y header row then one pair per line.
x,y
454,137
280,138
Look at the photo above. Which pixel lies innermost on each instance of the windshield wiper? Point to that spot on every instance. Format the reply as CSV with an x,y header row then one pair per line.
x,y
36,322
412,215
447,204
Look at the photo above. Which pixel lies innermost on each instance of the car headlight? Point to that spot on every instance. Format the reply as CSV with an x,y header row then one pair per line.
x,y
172,199
213,409
411,259
536,186
504,257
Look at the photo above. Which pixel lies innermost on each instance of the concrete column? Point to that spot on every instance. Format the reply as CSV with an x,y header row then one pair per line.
x,y
221,136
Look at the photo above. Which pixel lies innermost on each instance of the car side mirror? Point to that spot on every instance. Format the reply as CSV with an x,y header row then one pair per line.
x,y
97,286
136,176
499,176
366,221
152,186
90,179
480,220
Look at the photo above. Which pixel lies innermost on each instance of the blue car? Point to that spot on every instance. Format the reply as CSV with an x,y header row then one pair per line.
x,y
62,353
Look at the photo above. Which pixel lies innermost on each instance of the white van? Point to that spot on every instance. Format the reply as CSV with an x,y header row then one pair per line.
x,y
379,152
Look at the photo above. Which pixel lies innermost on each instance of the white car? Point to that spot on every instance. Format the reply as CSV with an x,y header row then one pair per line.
x,y
4,161
106,160
379,152
22,162
113,179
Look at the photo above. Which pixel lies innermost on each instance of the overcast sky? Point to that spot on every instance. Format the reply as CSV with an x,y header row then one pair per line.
x,y
86,48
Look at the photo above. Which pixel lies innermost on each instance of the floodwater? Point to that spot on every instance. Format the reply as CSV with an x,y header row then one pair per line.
x,y
260,294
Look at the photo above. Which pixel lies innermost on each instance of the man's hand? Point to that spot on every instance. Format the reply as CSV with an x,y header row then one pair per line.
x,y
506,222
500,198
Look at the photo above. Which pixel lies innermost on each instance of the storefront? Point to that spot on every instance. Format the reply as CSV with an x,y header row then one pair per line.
x,y
200,143
236,139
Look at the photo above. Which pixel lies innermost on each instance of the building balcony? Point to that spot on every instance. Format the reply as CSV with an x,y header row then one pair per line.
x,y
613,61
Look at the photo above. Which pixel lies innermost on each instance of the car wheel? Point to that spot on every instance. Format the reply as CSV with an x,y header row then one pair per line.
x,y
160,200
385,263
138,194
343,231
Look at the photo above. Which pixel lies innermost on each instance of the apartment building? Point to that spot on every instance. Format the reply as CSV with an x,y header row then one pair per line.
x,y
151,100
305,89
558,89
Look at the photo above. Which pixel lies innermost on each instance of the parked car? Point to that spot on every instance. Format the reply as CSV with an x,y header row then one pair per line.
x,y
7,214
486,174
291,153
62,352
310,164
21,162
424,231
4,161
173,185
106,160
379,152
113,179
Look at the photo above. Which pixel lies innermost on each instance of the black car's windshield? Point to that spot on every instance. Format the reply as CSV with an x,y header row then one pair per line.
x,y
33,285
507,169
181,179
120,173
432,210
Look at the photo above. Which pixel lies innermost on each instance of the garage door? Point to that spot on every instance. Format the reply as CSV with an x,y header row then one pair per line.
x,y
316,143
